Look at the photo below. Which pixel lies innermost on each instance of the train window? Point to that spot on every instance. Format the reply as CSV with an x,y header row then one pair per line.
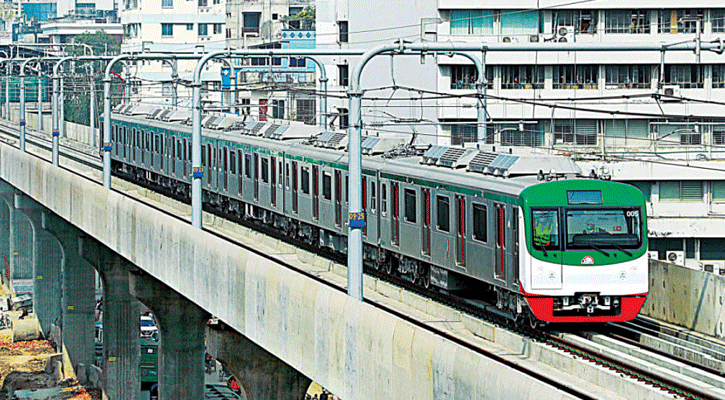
x,y
248,166
443,209
373,197
287,181
281,174
305,184
204,149
410,214
384,199
545,226
225,161
327,186
179,149
480,231
347,189
232,163
265,170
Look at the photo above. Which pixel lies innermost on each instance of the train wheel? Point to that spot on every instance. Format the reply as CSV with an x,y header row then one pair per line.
x,y
423,276
534,322
388,267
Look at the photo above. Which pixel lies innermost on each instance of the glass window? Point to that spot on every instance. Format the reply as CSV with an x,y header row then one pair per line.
x,y
687,76
628,76
443,208
326,186
410,214
717,17
712,249
248,166
203,30
463,133
479,222
384,199
680,21
167,3
217,29
519,22
265,170
718,135
233,162
472,22
305,180
343,74
167,30
627,21
545,229
578,132
512,135
522,77
465,77
718,76
343,26
616,228
683,191
580,21
576,76
189,27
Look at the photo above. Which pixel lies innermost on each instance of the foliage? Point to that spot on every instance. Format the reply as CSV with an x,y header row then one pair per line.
x,y
77,82
306,18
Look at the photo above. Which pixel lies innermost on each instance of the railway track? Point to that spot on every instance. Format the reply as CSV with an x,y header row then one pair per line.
x,y
588,346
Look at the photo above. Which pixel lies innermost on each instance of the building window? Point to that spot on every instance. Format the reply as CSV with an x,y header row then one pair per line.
x,y
472,22
522,77
229,33
167,30
167,3
628,76
685,191
203,30
687,76
513,135
343,26
718,135
463,133
465,77
343,118
203,3
217,29
294,23
575,22
718,76
718,190
306,111
295,62
343,72
217,1
167,89
680,21
277,108
627,21
717,17
189,27
576,76
579,132
251,22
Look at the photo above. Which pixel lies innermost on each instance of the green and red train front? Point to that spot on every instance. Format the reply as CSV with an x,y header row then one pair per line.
x,y
585,258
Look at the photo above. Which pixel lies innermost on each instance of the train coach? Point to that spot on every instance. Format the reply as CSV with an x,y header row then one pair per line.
x,y
525,232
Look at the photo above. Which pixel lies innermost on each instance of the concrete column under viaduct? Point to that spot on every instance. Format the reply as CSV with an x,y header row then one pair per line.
x,y
181,326
262,375
121,326
78,293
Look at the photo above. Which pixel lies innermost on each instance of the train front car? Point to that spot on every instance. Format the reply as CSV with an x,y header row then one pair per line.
x,y
585,258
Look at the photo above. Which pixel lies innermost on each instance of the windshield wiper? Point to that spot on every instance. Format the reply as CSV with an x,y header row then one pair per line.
x,y
620,248
599,249
543,248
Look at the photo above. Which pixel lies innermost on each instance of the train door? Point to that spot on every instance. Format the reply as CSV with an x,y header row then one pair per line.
x,y
515,242
209,162
225,168
315,192
338,198
142,147
425,233
273,181
185,158
295,188
395,198
256,176
460,230
500,245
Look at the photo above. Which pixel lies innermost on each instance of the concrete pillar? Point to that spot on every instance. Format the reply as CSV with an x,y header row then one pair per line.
x,y
4,243
181,326
121,326
20,238
78,300
262,375
47,263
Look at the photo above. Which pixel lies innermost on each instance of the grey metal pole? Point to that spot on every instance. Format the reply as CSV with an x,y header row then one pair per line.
x,y
354,238
233,94
21,116
107,145
61,112
174,83
197,171
92,109
7,90
54,118
482,111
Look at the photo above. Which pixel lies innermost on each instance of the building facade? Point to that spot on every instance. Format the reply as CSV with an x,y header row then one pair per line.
x,y
659,127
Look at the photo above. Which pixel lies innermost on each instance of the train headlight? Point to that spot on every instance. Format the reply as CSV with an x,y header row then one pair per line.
x,y
565,300
607,300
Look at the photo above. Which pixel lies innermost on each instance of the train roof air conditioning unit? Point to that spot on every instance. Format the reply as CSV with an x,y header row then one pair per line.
x,y
676,257
671,93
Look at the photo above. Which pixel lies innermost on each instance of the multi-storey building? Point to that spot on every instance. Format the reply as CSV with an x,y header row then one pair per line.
x,y
264,83
664,132
184,26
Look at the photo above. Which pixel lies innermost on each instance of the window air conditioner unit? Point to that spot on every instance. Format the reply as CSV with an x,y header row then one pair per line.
x,y
676,257
716,267
671,90
534,38
506,39
565,34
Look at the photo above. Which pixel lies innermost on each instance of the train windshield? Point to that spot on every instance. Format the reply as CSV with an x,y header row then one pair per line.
x,y
617,228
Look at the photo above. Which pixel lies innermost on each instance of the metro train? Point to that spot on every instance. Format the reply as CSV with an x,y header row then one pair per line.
x,y
526,232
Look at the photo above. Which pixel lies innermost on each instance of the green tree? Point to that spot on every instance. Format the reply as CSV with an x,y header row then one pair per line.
x,y
78,80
